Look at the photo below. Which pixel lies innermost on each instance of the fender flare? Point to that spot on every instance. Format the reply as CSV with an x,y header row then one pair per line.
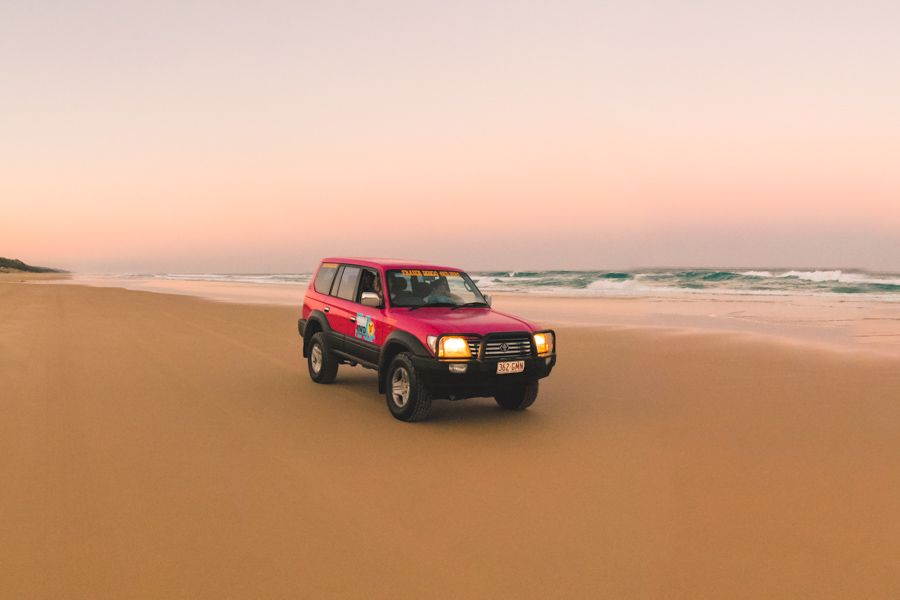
x,y
405,340
318,317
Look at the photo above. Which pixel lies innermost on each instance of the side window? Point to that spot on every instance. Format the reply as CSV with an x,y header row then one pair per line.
x,y
324,277
369,282
347,287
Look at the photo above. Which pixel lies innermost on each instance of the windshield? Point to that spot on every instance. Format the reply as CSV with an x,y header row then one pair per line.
x,y
415,287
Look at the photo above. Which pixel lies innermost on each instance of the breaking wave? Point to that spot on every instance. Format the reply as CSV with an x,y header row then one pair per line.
x,y
716,281
646,282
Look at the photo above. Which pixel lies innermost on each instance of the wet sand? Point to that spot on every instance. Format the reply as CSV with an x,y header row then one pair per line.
x,y
837,322
161,446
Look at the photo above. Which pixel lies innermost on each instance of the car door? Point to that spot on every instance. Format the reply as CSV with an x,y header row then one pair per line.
x,y
342,309
370,324
318,298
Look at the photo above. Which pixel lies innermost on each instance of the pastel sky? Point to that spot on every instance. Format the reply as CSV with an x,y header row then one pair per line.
x,y
259,136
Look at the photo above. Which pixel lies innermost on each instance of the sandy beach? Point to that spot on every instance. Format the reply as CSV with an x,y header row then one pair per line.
x,y
164,446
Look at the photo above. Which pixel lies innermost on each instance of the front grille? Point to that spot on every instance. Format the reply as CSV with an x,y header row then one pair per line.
x,y
474,346
517,347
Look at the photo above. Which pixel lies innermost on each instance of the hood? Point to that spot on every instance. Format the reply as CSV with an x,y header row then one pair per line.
x,y
480,321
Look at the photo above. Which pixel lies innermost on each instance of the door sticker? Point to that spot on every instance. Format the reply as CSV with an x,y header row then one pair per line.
x,y
365,327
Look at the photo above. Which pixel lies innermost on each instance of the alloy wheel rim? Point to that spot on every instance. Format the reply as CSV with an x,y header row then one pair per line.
x,y
316,358
400,387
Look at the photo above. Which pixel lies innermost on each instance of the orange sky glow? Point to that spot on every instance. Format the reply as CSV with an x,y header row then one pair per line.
x,y
258,137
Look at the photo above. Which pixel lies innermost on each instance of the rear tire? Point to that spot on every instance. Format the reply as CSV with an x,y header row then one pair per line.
x,y
519,397
407,397
323,365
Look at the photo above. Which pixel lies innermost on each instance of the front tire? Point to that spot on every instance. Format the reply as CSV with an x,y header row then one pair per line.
x,y
323,365
407,397
519,397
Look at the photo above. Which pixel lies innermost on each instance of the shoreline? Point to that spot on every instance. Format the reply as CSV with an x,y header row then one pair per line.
x,y
868,326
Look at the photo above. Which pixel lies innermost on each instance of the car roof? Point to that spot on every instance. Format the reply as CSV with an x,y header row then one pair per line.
x,y
388,263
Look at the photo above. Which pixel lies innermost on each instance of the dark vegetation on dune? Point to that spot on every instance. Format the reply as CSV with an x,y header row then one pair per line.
x,y
14,264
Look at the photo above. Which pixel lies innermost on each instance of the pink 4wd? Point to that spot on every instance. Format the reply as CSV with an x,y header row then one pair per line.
x,y
427,330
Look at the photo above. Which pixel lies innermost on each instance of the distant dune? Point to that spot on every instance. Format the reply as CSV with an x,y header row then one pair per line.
x,y
14,265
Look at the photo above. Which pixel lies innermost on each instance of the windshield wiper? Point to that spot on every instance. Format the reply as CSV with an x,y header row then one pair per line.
x,y
445,304
484,304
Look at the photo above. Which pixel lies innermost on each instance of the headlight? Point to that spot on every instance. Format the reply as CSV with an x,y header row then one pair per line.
x,y
453,346
544,343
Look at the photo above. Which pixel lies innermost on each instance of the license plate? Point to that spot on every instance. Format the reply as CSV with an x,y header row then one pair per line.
x,y
510,366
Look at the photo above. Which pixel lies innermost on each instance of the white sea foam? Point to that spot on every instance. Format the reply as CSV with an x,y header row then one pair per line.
x,y
267,278
817,276
617,286
858,284
827,276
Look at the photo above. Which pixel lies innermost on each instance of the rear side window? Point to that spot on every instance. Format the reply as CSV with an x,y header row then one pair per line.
x,y
324,277
349,279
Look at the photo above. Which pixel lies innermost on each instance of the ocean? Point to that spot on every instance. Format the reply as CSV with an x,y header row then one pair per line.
x,y
855,283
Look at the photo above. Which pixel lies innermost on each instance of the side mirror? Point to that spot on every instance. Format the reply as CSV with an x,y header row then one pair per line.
x,y
370,299
488,299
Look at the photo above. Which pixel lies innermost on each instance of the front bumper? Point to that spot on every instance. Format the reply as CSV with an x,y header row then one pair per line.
x,y
480,377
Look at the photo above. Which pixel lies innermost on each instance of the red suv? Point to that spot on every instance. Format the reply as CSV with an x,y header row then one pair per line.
x,y
427,330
